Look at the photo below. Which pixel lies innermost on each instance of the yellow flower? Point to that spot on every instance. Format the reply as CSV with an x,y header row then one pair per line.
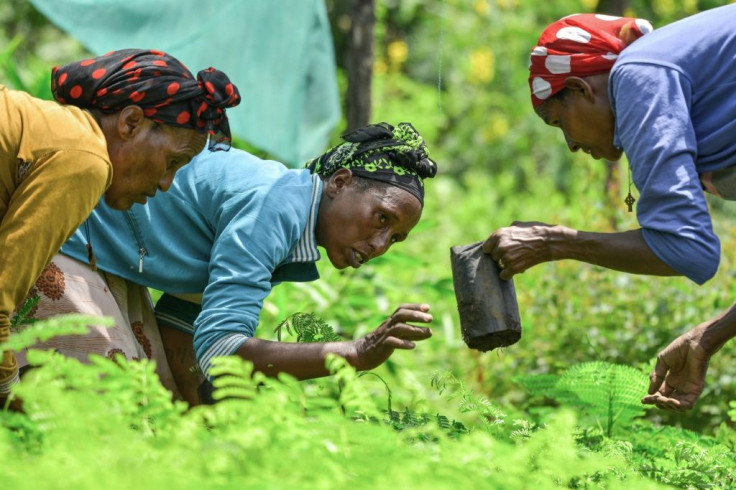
x,y
397,52
482,65
482,7
664,8
496,128
691,6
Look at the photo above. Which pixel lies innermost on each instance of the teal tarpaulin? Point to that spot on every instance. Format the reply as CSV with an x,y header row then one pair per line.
x,y
279,53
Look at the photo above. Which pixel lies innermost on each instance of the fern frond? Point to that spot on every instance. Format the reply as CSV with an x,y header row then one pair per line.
x,y
21,316
609,392
43,330
539,384
308,328
234,378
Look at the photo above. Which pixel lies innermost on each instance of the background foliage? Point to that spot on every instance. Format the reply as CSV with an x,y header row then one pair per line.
x,y
457,70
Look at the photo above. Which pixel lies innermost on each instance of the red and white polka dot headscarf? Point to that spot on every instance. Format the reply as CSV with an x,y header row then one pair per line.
x,y
579,45
160,84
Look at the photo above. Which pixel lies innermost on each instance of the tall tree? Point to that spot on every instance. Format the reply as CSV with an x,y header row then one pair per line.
x,y
360,63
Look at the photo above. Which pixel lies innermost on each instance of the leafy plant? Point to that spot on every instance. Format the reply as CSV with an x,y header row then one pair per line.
x,y
22,314
608,392
470,402
307,327
43,330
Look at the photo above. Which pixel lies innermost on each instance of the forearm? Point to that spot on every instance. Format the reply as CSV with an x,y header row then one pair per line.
x,y
623,251
711,335
303,360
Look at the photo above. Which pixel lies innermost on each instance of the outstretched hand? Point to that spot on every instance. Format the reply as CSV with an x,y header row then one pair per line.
x,y
395,333
678,378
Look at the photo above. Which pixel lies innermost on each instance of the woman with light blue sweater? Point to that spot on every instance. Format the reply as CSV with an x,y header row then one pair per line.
x,y
231,227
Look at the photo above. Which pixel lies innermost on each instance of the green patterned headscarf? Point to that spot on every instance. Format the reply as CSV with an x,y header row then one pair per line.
x,y
395,155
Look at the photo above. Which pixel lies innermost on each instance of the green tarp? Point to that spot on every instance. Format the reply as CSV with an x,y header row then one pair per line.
x,y
279,53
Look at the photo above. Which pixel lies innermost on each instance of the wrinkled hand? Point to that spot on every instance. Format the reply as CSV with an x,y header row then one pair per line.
x,y
678,378
395,333
518,247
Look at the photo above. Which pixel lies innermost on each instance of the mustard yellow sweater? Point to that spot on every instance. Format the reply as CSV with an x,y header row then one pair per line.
x,y
54,167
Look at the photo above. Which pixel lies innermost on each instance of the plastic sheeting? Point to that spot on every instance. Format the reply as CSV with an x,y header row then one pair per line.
x,y
279,53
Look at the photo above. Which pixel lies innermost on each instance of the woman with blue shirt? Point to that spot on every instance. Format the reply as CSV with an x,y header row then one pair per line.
x,y
667,98
232,226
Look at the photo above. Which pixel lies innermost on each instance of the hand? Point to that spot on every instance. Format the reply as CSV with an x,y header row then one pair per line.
x,y
678,378
395,333
520,246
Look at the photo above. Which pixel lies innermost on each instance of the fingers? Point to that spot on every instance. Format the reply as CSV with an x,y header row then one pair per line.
x,y
649,399
410,312
402,334
397,332
506,274
410,332
657,377
491,247
396,343
403,337
678,402
413,306
491,243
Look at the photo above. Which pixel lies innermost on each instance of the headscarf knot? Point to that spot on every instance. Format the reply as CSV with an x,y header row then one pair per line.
x,y
395,155
157,82
579,45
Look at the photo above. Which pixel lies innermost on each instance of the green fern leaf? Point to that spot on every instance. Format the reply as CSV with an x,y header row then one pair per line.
x,y
21,316
43,330
610,393
308,328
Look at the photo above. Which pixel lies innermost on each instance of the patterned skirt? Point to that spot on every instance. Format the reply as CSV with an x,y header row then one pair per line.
x,y
69,286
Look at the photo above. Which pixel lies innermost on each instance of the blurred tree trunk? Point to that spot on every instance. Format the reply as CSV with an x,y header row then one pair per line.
x,y
612,187
360,63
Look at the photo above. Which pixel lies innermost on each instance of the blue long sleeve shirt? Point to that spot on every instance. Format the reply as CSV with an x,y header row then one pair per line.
x,y
673,93
230,227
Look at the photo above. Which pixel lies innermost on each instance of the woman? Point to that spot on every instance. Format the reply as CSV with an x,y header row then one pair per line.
x,y
232,226
124,124
666,99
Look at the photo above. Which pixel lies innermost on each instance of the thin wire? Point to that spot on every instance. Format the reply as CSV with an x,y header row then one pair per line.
x,y
439,68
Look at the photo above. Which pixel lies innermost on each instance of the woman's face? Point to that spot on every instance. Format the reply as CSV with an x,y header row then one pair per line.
x,y
585,118
147,160
355,225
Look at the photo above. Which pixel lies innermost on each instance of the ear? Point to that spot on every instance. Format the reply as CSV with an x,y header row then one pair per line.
x,y
580,86
338,181
131,120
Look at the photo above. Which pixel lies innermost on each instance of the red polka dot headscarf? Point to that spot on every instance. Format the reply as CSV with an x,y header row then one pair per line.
x,y
160,84
579,45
